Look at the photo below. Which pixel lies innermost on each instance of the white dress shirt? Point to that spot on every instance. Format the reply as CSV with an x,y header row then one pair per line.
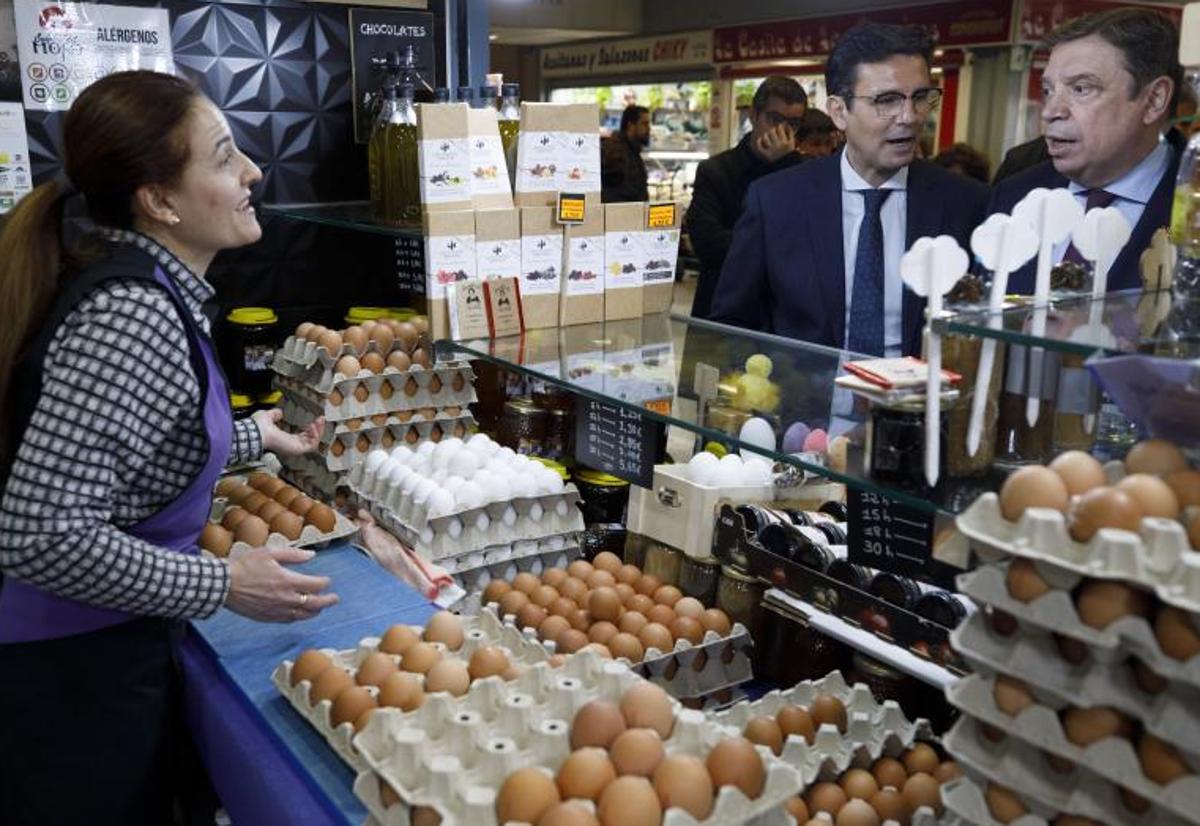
x,y
894,216
1133,190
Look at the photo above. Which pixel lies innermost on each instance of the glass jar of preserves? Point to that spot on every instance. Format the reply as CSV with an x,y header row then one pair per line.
x,y
664,562
896,444
635,549
698,577
740,597
895,590
1018,442
523,426
358,315
604,497
242,405
251,336
559,432
960,354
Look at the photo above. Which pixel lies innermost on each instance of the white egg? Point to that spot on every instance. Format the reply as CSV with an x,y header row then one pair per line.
x,y
505,454
453,483
498,489
482,477
490,449
469,495
402,453
757,431
422,491
427,448
420,465
731,460
442,456
464,464
509,516
479,441
441,502
375,459
439,475
701,467
727,475
455,528
536,512
562,508
756,471
427,536
410,483
482,521
523,485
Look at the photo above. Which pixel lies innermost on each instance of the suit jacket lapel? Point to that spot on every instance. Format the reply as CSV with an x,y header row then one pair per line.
x,y
924,219
829,262
1126,270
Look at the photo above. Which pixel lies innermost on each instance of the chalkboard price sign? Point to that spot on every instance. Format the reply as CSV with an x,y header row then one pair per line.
x,y
616,440
888,536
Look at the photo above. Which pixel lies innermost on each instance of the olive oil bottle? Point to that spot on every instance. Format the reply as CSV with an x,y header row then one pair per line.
x,y
403,177
510,125
376,155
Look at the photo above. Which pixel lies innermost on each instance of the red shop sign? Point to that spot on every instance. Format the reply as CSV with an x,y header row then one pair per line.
x,y
969,23
1040,17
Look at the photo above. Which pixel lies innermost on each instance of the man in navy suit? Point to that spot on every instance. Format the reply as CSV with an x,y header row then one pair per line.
x,y
816,252
1110,85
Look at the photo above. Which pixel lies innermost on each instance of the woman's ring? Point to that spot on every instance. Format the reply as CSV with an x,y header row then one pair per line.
x,y
303,600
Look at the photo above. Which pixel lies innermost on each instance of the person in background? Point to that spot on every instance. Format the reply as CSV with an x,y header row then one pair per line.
x,y
114,427
778,113
819,137
622,170
1110,84
965,160
816,252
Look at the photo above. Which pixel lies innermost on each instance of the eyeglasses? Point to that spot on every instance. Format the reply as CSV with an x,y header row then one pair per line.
x,y
889,105
776,119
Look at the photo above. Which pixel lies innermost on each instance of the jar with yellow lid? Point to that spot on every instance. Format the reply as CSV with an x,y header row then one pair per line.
x,y
401,313
663,561
357,315
557,467
740,596
269,400
523,427
698,577
242,405
248,341
604,497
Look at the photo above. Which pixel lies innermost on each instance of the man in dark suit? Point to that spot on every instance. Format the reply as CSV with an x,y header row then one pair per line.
x,y
816,253
622,170
778,110
1110,84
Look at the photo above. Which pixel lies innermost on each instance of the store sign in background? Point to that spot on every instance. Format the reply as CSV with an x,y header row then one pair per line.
x,y
374,33
1040,17
968,23
65,47
628,56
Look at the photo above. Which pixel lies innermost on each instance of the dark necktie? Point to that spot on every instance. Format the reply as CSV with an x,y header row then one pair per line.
x,y
1096,199
866,297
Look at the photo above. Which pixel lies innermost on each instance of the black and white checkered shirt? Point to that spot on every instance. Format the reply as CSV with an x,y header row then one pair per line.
x,y
117,434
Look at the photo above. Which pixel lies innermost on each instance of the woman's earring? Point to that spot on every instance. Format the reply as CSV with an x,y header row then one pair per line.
x,y
174,220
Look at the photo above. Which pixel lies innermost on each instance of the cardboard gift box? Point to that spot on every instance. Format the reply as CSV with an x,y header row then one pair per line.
x,y
623,288
541,267
583,270
444,157
449,258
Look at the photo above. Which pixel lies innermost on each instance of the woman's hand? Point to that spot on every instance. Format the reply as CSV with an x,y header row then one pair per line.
x,y
277,440
262,589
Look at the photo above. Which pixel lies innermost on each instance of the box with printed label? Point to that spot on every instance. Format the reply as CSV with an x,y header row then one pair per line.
x,y
489,178
623,225
449,258
558,151
444,156
583,269
660,252
541,267
498,243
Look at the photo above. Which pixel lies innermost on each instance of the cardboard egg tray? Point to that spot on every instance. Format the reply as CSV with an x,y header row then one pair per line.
x,y
1173,715
475,570
1157,559
477,631
687,670
354,451
964,803
309,473
1024,768
1054,611
453,379
310,536
300,415
350,407
1112,759
457,763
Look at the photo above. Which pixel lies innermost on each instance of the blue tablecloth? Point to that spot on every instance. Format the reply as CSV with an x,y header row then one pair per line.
x,y
267,763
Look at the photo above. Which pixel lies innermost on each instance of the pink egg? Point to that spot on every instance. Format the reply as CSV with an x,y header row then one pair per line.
x,y
817,441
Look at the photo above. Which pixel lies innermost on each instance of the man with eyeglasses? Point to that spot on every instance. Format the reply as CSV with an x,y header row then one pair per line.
x,y
777,112
1109,87
816,253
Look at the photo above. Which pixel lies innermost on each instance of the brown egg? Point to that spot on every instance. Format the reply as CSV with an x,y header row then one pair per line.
x,y
406,335
605,604
597,723
640,603
488,661
715,620
632,622
630,801
682,780
338,447
1193,528
1075,820
574,590
601,650
1156,456
336,398
543,595
216,539
287,495
657,635
890,805
686,628
627,646
552,626
637,751
375,668
571,640
1153,495
1133,802
920,758
1177,633
321,517
383,336
826,797
734,762
270,509
411,387
797,808
330,341
601,632
1185,484
580,619
857,813
531,616
1080,471
373,363
628,574
398,639
825,709
647,584
922,790
301,505
1084,726
1161,762
254,500
568,813
419,658
580,569
563,607
308,665
1012,697
668,595
946,771
512,602
402,691
362,392
347,366
765,732
356,337
1024,581
525,796
607,561
554,577
689,607
1101,603
494,590
421,356
1147,680
585,773
1103,508
287,523
1003,803
859,783
1071,650
252,530
350,704
526,583
600,579
1033,486
446,628
889,771
329,683
450,676
399,360
662,614
796,721
239,494
419,323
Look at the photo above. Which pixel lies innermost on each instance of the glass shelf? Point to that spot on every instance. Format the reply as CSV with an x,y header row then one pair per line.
x,y
353,215
689,373
1130,321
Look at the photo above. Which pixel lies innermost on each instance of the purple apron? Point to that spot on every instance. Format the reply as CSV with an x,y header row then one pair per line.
x,y
28,613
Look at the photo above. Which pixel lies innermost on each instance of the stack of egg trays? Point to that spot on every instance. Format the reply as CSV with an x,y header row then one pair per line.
x,y
455,757
309,537
356,444
474,570
1157,559
397,422
687,670
1030,655
309,473
477,632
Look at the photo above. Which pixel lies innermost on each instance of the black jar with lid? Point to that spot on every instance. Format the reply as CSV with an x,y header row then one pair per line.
x,y
248,340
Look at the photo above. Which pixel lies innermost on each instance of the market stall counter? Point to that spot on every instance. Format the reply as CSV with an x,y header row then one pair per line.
x,y
265,760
